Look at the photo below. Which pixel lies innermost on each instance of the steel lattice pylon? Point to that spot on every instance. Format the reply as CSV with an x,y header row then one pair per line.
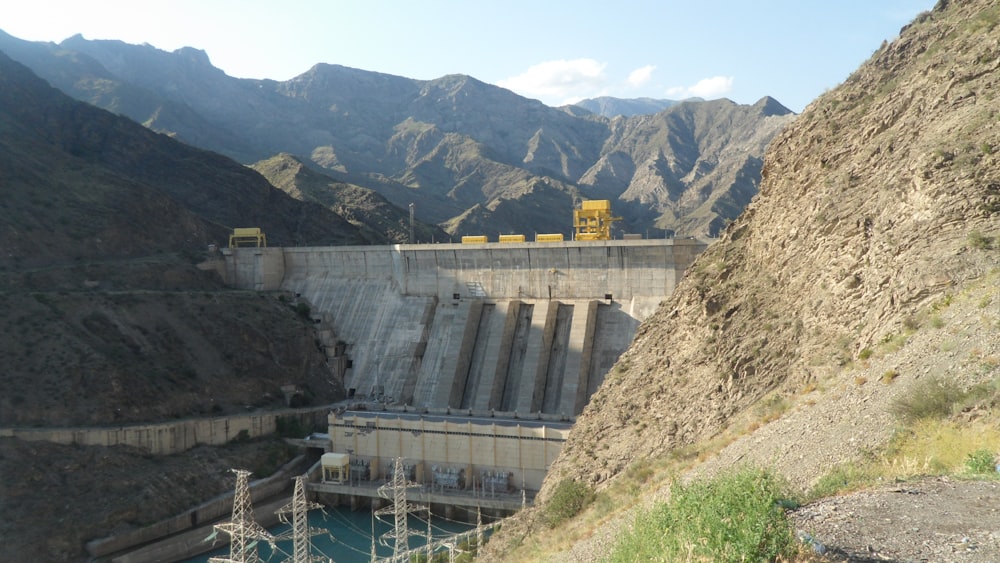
x,y
395,490
243,529
301,532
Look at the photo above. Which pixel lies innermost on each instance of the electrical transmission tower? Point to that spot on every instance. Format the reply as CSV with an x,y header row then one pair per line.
x,y
243,529
301,532
395,490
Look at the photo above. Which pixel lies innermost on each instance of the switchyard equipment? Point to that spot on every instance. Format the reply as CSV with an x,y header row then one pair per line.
x,y
593,220
361,470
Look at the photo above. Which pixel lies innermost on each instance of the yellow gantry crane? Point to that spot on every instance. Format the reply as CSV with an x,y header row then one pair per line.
x,y
593,220
247,236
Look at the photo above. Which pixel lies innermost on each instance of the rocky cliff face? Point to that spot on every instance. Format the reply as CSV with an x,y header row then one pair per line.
x,y
878,201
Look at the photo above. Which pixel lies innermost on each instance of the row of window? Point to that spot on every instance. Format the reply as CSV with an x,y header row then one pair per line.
x,y
369,427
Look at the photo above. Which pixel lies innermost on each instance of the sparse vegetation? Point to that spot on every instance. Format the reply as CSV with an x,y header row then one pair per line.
x,y
935,438
734,517
569,498
931,398
303,310
772,408
979,241
889,376
843,478
980,461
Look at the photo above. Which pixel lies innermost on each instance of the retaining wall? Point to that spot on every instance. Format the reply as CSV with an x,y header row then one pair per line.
x,y
173,437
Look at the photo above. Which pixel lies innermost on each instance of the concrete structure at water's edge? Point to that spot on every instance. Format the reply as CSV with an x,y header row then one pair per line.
x,y
525,328
457,460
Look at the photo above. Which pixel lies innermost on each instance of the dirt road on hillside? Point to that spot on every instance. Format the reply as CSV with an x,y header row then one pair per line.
x,y
936,519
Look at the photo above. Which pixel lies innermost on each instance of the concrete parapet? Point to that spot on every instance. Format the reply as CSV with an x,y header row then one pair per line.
x,y
565,270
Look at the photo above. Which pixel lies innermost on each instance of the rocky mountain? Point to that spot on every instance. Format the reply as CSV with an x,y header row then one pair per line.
x,y
474,158
879,205
111,313
608,106
366,209
102,224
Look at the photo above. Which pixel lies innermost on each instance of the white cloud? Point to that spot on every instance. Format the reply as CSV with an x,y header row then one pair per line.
x,y
558,80
640,76
708,88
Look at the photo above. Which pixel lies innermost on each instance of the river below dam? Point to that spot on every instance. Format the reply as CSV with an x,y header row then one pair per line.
x,y
344,536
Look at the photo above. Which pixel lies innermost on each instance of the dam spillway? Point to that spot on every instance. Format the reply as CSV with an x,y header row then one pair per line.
x,y
525,327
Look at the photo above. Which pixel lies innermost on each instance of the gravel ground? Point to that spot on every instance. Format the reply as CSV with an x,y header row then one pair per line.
x,y
931,520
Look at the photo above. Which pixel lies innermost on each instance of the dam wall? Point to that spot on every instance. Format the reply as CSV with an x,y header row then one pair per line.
x,y
525,327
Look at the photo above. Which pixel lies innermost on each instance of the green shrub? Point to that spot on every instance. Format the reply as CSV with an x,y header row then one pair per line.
x,y
930,398
291,427
241,438
568,500
980,461
842,478
303,310
734,517
980,241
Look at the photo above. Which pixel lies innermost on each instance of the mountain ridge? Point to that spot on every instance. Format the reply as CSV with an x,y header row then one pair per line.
x,y
358,122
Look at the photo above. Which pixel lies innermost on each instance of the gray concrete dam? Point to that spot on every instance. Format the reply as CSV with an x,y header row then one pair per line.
x,y
505,327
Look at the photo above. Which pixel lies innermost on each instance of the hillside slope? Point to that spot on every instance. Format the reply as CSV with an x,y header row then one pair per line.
x,y
105,316
878,204
366,209
111,315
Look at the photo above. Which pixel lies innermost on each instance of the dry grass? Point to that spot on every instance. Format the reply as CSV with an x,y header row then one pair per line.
x,y
940,447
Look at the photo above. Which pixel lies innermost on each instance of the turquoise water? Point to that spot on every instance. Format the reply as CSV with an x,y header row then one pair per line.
x,y
345,537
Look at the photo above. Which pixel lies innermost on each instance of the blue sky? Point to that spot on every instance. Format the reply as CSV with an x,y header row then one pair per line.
x,y
554,51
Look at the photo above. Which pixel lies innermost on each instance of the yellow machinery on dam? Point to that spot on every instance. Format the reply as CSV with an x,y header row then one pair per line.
x,y
592,221
247,235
